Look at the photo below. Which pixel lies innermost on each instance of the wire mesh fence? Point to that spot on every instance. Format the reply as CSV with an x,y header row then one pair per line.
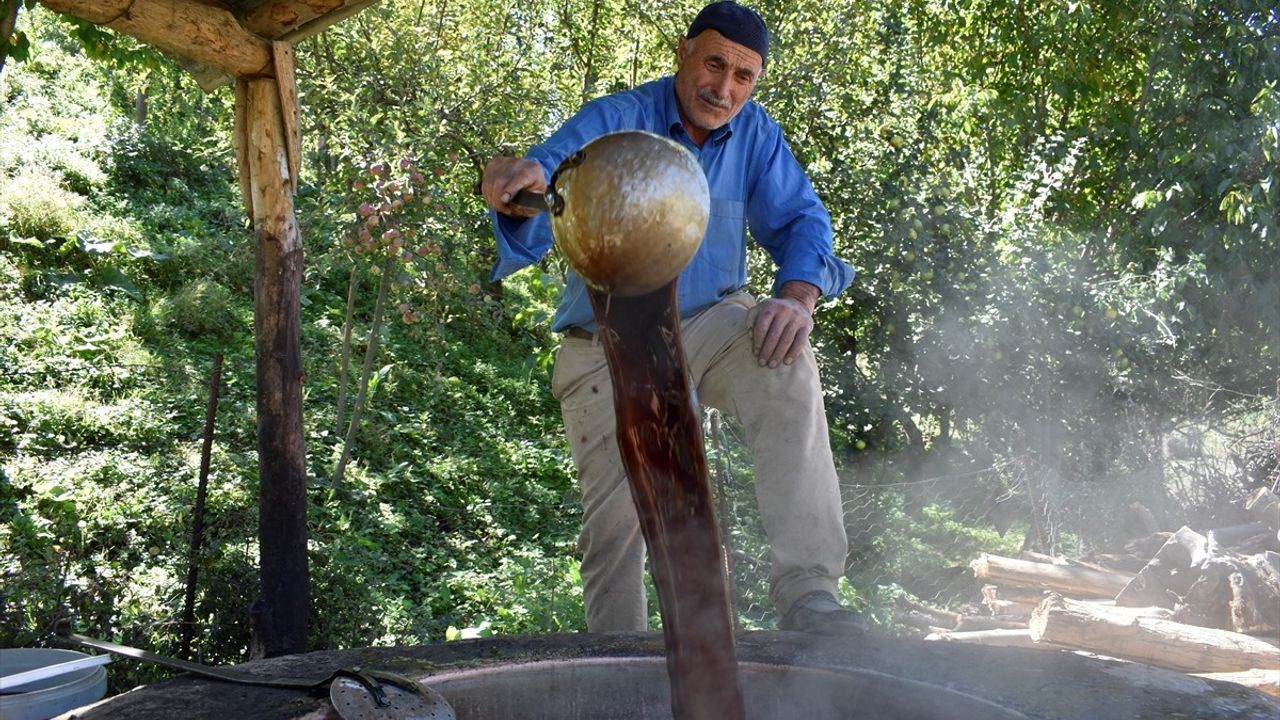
x,y
914,538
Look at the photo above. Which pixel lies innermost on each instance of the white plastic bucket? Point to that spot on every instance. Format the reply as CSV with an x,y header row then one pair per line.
x,y
46,698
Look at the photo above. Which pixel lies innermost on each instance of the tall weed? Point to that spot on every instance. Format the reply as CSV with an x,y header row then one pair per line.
x,y
35,205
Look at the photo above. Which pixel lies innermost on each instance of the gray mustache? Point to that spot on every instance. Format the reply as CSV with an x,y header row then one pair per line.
x,y
718,102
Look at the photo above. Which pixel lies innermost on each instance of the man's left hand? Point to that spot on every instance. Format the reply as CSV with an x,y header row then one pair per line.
x,y
780,326
780,330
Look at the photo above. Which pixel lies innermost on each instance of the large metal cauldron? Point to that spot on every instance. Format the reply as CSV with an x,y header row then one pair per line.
x,y
637,689
786,676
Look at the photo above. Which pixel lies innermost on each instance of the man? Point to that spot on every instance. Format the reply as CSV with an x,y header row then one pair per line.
x,y
748,359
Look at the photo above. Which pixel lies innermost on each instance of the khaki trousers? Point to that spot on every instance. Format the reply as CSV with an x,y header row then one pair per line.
x,y
782,414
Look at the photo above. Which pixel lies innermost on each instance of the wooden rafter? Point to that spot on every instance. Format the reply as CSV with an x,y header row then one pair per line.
x,y
208,35
295,20
215,40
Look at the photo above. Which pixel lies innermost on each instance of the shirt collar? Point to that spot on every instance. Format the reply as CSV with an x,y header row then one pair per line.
x,y
675,127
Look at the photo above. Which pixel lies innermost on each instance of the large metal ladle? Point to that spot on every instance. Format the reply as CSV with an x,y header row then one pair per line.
x,y
629,211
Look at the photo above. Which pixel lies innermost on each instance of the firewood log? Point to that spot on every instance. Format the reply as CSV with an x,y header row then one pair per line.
x,y
1075,581
1154,641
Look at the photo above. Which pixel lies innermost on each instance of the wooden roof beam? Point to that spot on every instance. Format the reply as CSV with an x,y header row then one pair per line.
x,y
205,34
295,20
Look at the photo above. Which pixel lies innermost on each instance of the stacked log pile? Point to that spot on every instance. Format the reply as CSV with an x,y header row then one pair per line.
x,y
1205,604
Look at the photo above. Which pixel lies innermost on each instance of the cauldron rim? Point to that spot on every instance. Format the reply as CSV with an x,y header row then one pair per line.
x,y
890,695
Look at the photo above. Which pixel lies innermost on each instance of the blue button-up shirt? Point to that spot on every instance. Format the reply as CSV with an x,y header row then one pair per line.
x,y
753,178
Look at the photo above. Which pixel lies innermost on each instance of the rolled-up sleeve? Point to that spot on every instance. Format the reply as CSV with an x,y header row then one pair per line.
x,y
787,219
523,242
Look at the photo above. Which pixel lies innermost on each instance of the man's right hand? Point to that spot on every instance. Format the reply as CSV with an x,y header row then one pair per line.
x,y
506,176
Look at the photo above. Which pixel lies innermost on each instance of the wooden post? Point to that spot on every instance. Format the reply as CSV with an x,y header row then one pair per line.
x,y
252,43
279,616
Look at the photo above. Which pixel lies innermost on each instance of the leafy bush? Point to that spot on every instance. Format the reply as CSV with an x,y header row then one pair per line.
x,y
140,160
52,120
201,308
78,338
34,204
10,279
73,157
52,421
112,232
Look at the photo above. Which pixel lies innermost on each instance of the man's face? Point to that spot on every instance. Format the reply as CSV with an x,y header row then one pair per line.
x,y
715,79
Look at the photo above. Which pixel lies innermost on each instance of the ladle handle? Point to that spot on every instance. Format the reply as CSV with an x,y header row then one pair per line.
x,y
530,199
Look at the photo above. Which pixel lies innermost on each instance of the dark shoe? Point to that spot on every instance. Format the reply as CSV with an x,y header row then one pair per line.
x,y
819,613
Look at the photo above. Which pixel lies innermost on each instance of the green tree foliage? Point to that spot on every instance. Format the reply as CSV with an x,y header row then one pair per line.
x,y
1061,212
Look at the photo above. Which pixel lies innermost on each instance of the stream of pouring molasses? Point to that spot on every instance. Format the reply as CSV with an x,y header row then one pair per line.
x,y
660,437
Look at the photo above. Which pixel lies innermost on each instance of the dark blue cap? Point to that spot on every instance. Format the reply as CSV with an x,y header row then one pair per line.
x,y
737,23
